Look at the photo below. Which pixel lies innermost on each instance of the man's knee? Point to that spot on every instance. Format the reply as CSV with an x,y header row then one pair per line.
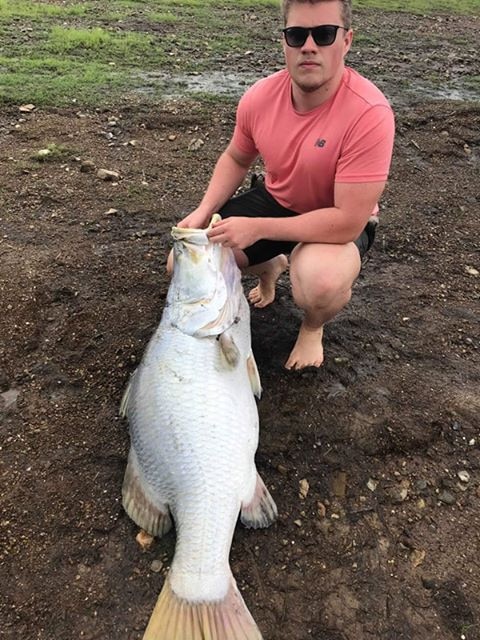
x,y
321,278
320,291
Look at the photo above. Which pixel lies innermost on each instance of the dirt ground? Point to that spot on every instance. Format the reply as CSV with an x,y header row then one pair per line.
x,y
385,545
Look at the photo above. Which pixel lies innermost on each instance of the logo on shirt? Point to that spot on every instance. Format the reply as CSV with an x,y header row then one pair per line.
x,y
320,143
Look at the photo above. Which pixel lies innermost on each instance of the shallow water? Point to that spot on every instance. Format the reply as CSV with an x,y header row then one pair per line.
x,y
217,83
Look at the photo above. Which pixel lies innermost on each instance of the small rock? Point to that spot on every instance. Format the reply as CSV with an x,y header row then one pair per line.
x,y
87,166
298,523
446,497
144,539
372,484
471,270
421,504
9,399
132,143
339,484
304,488
282,469
26,108
417,557
421,485
399,493
429,583
195,144
172,137
41,154
321,510
156,566
107,175
464,476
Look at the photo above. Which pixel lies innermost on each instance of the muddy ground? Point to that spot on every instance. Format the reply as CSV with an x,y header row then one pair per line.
x,y
385,545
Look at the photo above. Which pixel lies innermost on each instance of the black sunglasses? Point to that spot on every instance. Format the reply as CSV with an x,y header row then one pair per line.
x,y
324,35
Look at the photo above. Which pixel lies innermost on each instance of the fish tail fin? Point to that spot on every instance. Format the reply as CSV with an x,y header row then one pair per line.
x,y
261,511
176,619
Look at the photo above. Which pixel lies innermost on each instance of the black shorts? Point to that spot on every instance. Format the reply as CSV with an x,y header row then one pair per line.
x,y
258,203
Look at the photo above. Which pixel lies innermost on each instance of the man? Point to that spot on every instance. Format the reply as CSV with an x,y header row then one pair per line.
x,y
325,135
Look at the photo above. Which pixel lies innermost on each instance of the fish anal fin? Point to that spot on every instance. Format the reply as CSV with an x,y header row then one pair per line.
x,y
151,516
254,376
229,350
261,511
176,619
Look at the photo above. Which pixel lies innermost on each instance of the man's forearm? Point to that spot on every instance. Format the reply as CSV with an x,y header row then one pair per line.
x,y
323,225
227,176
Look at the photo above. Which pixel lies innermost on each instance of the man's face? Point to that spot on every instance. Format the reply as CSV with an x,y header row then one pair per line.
x,y
314,67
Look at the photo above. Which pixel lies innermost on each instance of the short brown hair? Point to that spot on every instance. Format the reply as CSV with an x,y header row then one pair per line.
x,y
345,4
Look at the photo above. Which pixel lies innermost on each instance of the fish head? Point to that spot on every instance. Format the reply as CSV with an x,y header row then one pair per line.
x,y
205,293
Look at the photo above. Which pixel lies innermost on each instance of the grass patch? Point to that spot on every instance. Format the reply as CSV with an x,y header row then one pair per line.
x,y
64,40
421,6
52,152
57,82
33,10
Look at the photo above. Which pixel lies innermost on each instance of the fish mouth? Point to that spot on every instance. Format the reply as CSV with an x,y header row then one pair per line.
x,y
194,235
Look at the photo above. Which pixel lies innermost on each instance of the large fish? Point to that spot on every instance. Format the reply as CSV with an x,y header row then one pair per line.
x,y
194,432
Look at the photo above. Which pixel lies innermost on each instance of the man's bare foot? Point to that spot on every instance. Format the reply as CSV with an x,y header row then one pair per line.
x,y
308,349
264,293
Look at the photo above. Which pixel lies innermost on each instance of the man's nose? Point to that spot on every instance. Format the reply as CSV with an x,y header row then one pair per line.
x,y
309,43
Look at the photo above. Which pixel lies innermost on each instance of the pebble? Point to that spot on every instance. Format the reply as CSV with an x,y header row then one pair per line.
x,y
339,484
107,175
446,497
144,539
195,144
321,510
87,166
9,399
304,488
464,476
372,484
156,566
26,108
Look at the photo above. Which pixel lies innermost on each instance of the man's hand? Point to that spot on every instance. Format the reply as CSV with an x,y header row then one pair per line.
x,y
198,219
236,232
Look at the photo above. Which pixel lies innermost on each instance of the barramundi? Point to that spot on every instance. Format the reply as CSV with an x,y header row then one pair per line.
x,y
193,423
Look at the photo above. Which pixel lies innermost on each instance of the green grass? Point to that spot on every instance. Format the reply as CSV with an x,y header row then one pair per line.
x,y
421,6
57,82
33,10
70,40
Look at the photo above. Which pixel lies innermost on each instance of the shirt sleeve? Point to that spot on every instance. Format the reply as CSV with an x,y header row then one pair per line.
x,y
367,150
243,132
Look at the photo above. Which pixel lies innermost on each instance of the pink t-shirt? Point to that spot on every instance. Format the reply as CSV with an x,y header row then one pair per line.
x,y
349,138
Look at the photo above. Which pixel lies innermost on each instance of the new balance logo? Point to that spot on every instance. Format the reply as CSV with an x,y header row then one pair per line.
x,y
320,143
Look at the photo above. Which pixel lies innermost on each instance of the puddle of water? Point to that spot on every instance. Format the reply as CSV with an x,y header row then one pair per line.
x,y
218,83
214,83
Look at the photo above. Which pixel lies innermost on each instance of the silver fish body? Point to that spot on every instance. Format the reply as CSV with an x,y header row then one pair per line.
x,y
194,432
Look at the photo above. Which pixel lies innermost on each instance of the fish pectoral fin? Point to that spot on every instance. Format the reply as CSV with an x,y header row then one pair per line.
x,y
151,516
254,376
229,350
175,618
261,511
126,396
